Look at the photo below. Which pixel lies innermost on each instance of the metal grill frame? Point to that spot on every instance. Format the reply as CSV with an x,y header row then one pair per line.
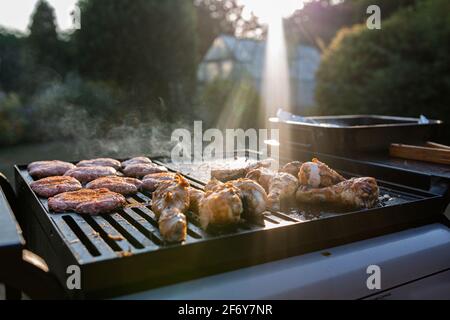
x,y
111,266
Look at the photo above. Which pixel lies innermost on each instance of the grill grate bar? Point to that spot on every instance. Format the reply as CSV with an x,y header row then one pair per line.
x,y
93,235
140,223
134,237
68,228
112,237
143,197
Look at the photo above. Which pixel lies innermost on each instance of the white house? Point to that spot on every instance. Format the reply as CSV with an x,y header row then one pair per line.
x,y
230,57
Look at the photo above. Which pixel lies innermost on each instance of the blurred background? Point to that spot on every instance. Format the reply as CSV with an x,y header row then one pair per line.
x,y
114,77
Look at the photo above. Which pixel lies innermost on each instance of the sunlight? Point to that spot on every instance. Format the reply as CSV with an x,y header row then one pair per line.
x,y
276,91
270,11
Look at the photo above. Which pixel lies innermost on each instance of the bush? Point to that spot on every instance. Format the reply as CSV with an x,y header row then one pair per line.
x,y
12,121
74,108
402,69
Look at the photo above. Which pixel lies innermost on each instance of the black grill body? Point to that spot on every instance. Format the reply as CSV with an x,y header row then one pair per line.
x,y
123,252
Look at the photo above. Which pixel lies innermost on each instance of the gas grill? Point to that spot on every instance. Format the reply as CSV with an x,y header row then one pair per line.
x,y
123,252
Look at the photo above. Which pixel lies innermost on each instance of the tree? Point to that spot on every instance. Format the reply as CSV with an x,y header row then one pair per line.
x,y
43,39
147,47
402,69
217,17
319,21
11,62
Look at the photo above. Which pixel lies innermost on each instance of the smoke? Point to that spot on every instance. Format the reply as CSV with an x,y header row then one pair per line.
x,y
93,120
87,136
92,137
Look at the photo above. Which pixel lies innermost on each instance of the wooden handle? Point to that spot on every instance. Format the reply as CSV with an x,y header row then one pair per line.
x,y
437,145
434,155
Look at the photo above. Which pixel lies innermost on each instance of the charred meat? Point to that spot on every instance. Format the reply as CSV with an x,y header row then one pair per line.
x,y
44,169
122,185
87,174
51,186
87,201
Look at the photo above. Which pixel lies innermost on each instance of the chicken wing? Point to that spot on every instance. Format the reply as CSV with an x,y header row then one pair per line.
x,y
254,197
221,205
281,187
261,175
354,193
316,174
195,197
292,168
278,185
169,202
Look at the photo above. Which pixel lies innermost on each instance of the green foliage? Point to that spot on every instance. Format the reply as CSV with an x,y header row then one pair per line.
x,y
44,46
402,69
74,107
226,103
318,22
11,62
12,120
147,47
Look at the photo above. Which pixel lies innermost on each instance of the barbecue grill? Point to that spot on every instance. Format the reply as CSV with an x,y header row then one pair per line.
x,y
123,252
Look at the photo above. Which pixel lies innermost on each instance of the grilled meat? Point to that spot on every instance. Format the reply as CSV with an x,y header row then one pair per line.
x,y
51,186
316,174
262,176
228,174
279,186
282,186
292,168
253,196
100,162
236,173
87,174
354,193
151,181
136,160
43,169
87,201
139,170
221,204
169,202
122,185
195,197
